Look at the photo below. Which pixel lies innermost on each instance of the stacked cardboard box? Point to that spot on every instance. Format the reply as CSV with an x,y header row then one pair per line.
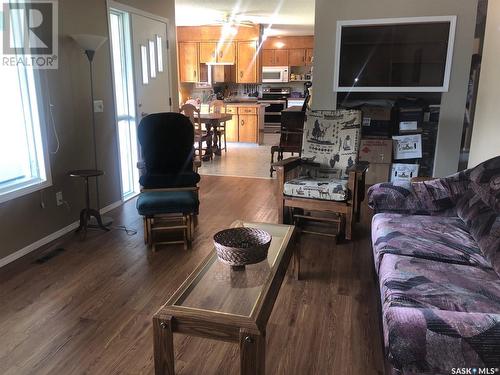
x,y
377,152
377,121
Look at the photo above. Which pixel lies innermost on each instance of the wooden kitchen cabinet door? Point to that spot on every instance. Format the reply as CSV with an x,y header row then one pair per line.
x,y
188,62
208,53
267,57
281,57
309,56
226,53
232,129
247,128
246,63
297,57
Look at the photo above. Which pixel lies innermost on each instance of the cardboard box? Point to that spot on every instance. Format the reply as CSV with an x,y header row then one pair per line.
x,y
377,173
376,151
403,172
407,146
377,121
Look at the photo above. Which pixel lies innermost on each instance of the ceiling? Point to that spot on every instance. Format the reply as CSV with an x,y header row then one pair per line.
x,y
288,17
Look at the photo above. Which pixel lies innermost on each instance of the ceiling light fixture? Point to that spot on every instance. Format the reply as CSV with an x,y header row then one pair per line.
x,y
279,44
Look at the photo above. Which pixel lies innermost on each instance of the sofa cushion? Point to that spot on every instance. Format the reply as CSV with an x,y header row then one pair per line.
x,y
440,238
325,188
486,182
167,202
483,224
437,316
430,341
423,283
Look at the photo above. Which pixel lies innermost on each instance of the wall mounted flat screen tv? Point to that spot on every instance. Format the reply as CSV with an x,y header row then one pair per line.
x,y
394,55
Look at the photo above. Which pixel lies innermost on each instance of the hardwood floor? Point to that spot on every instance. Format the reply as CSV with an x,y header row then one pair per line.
x,y
88,309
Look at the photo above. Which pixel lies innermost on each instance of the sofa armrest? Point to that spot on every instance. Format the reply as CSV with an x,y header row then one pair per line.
x,y
433,197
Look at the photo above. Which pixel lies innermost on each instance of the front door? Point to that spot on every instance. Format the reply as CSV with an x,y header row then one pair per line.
x,y
149,42
141,79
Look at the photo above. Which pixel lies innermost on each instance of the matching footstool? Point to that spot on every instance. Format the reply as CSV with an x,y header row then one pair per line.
x,y
166,211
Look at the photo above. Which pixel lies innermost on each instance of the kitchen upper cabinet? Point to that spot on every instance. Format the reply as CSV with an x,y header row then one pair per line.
x,y
297,57
248,126
188,62
246,62
281,57
309,56
267,57
275,57
208,53
226,53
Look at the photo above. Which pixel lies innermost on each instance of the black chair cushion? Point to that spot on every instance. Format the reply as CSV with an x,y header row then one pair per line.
x,y
158,181
167,202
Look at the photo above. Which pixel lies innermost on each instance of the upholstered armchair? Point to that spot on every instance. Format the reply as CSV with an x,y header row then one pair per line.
x,y
327,178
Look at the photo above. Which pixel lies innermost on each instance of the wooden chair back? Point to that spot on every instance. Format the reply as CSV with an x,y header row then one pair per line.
x,y
217,106
193,113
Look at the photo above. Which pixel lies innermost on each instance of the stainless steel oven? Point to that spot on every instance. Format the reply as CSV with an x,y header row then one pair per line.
x,y
275,98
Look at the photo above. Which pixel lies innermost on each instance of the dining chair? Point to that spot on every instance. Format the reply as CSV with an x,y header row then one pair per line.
x,y
218,106
200,135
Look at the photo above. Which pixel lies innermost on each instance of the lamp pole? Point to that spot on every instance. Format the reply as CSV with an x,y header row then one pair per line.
x,y
90,55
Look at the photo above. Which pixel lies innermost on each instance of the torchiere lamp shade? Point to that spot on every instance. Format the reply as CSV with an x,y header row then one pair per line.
x,y
89,42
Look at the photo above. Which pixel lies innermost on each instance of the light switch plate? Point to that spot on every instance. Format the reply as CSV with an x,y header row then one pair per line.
x,y
98,106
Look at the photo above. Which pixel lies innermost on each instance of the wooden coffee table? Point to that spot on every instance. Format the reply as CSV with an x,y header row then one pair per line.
x,y
218,303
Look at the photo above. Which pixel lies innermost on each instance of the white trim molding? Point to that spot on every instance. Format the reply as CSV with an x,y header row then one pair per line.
x,y
51,237
395,21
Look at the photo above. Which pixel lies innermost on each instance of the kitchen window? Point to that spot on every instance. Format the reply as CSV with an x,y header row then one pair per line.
x,y
24,166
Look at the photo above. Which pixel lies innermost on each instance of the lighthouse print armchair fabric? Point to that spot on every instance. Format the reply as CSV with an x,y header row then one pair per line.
x,y
329,148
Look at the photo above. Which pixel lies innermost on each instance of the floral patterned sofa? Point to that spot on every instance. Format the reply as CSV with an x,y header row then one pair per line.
x,y
436,247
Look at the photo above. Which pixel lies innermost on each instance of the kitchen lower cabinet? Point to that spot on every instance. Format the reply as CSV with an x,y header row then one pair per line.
x,y
232,125
248,128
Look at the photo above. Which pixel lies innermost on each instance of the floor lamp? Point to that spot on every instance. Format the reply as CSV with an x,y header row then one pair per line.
x,y
90,44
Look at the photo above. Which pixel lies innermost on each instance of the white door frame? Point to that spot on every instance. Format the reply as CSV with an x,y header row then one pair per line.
x,y
111,4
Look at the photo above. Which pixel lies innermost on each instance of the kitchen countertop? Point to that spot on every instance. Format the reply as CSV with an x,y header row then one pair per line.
x,y
247,104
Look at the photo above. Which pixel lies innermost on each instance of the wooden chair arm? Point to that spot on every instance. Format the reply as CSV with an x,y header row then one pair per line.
x,y
359,167
287,164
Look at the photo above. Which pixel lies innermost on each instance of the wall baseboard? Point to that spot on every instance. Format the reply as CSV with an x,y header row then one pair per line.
x,y
51,237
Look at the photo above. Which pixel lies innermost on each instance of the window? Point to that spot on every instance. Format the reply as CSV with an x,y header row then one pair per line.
x,y
124,100
24,164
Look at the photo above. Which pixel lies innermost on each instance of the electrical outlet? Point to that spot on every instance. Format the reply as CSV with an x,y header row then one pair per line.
x,y
59,198
98,106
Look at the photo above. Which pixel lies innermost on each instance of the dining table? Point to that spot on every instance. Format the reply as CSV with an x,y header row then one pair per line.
x,y
212,123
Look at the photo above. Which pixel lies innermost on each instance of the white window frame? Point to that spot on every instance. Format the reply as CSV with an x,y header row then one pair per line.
x,y
31,91
396,21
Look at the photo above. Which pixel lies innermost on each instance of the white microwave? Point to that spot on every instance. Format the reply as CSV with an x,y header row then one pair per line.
x,y
274,74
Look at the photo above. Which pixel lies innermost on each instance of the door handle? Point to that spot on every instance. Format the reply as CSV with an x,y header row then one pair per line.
x,y
241,73
242,122
220,54
194,72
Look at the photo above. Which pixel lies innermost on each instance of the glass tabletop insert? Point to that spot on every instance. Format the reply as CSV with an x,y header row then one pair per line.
x,y
218,288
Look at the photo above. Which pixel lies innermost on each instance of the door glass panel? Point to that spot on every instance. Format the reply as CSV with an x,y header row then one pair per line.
x,y
144,65
159,53
152,58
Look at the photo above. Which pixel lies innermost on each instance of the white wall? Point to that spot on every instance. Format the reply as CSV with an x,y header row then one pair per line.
x,y
486,132
328,12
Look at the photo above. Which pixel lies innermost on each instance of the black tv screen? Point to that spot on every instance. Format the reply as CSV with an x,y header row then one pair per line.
x,y
408,55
